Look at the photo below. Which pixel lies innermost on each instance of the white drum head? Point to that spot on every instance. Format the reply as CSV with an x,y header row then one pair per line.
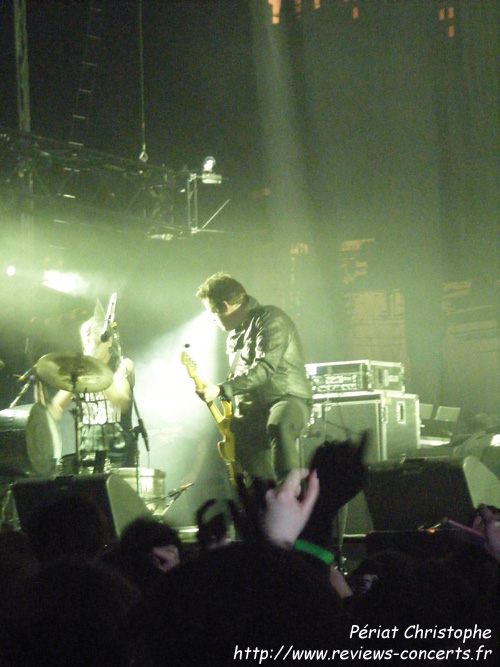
x,y
43,440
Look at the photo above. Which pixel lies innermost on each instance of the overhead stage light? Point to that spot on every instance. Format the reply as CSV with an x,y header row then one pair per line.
x,y
208,176
209,163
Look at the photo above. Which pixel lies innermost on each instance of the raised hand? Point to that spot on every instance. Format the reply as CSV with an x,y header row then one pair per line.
x,y
286,513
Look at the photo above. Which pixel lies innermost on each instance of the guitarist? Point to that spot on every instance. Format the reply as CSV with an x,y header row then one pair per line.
x,y
267,384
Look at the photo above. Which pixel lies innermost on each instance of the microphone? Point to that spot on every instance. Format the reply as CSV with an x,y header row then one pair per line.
x,y
110,318
173,495
161,237
177,492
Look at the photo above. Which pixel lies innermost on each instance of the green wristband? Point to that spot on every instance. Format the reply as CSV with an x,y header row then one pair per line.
x,y
314,550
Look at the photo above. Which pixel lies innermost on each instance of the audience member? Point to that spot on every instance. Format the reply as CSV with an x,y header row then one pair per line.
x,y
342,473
72,613
213,520
65,600
17,564
71,524
146,551
244,597
487,522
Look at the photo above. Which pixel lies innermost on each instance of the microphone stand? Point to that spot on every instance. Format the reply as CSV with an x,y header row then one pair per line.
x,y
136,432
22,392
140,429
173,495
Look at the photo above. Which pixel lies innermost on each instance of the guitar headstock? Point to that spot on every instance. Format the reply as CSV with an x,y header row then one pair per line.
x,y
189,363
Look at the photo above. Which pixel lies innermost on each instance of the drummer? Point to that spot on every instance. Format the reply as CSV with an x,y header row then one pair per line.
x,y
106,434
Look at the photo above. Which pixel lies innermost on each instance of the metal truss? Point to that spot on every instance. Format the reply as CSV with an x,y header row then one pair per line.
x,y
114,192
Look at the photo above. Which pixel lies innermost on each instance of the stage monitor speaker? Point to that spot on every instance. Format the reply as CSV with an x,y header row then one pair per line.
x,y
411,494
358,519
116,499
416,543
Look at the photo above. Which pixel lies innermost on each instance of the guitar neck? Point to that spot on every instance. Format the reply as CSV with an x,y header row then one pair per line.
x,y
215,412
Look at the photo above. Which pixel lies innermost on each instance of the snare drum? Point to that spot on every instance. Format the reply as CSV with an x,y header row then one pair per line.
x,y
30,441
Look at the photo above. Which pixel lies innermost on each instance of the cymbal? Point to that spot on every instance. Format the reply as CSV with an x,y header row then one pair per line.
x,y
77,373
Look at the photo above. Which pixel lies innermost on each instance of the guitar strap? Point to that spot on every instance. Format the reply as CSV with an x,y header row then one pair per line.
x,y
236,359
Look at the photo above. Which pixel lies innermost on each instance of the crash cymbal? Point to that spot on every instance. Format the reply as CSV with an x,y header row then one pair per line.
x,y
74,372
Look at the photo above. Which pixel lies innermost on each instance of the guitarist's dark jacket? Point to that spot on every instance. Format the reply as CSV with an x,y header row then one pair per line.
x,y
266,360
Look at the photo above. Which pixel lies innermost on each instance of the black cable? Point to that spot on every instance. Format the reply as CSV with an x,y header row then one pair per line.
x,y
143,157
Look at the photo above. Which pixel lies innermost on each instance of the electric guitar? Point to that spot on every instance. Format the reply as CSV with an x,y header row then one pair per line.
x,y
222,419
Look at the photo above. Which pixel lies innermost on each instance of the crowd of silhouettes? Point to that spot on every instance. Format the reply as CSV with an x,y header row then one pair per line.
x,y
261,584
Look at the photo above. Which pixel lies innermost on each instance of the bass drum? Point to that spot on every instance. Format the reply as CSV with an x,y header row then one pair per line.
x,y
30,441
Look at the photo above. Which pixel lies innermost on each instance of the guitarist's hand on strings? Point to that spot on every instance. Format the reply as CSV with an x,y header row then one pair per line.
x,y
208,392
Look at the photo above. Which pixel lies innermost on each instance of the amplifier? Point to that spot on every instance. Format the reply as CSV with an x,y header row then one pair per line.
x,y
332,378
392,417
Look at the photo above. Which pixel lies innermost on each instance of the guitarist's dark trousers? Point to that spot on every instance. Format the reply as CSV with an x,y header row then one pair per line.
x,y
266,438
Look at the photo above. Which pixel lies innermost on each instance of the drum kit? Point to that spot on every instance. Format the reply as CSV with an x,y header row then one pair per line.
x,y
30,440
78,374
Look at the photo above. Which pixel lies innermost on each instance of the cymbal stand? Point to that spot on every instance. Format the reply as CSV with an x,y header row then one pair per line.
x,y
77,416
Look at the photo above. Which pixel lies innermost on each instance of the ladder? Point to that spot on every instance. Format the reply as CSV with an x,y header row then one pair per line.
x,y
84,97
88,74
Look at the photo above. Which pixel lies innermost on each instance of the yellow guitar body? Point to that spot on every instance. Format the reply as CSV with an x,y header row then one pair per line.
x,y
222,419
226,446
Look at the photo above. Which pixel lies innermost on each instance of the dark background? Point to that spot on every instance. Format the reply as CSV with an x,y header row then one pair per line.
x,y
359,146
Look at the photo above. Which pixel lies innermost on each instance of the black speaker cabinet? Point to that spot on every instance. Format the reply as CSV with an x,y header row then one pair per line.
x,y
113,496
408,495
358,520
392,417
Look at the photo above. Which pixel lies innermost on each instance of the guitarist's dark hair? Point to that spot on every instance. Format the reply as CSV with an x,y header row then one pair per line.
x,y
219,288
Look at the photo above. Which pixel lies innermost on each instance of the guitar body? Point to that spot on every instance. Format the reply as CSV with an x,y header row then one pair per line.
x,y
226,447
